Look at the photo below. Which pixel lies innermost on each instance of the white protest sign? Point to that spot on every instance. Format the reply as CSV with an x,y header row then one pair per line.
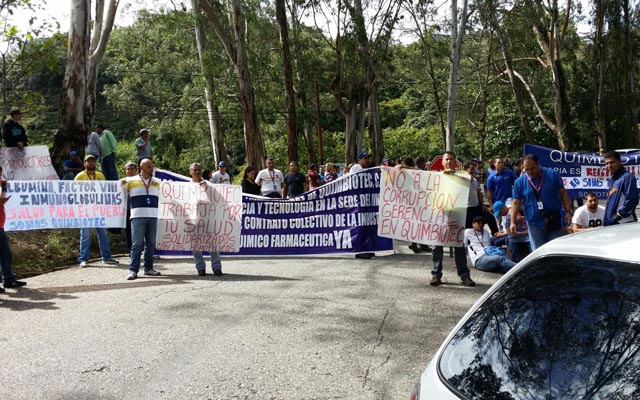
x,y
203,217
33,163
423,207
65,204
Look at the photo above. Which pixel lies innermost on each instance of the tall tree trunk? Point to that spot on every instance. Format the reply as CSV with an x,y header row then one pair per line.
x,y
375,126
237,53
457,35
72,131
598,63
102,27
213,113
506,54
292,130
631,77
307,130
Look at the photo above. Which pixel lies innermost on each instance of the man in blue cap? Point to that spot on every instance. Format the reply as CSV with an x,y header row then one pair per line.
x,y
221,176
72,167
363,162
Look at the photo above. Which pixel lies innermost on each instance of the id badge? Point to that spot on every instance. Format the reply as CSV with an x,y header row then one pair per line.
x,y
540,206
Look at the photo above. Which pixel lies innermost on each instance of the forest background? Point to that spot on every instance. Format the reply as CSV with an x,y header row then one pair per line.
x,y
236,80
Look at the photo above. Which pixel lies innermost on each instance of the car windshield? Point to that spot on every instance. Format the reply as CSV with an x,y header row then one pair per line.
x,y
563,327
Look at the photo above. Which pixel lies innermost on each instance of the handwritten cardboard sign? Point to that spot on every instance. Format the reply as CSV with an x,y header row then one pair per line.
x,y
423,207
33,163
203,217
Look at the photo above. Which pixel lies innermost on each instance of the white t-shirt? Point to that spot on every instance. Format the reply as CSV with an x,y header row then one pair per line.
x,y
355,168
270,181
475,243
219,177
586,219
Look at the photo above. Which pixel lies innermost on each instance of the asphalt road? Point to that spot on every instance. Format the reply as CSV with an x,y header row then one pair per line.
x,y
269,328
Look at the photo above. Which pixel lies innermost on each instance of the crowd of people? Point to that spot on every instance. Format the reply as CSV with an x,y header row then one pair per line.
x,y
523,204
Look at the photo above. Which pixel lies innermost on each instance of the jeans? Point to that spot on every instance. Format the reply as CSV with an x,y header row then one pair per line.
x,y
108,165
489,263
460,258
539,236
85,244
143,235
6,259
216,264
519,250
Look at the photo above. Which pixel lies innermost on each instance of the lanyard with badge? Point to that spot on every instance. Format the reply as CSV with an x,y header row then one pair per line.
x,y
537,189
273,179
146,186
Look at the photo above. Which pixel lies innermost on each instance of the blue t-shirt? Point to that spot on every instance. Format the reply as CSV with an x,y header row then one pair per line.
x,y
549,195
501,184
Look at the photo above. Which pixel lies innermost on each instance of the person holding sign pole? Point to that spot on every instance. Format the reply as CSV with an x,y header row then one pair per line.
x,y
449,163
143,197
6,259
90,174
195,171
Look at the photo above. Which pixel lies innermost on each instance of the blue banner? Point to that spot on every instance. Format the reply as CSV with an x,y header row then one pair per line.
x,y
582,172
340,217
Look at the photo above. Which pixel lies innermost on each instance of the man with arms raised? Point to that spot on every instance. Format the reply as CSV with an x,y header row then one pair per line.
x,y
449,163
542,194
623,192
588,216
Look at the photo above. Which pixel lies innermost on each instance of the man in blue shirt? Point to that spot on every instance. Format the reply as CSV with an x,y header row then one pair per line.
x,y
542,194
623,192
500,183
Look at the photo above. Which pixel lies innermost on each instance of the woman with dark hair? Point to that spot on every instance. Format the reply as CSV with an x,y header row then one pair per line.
x,y
249,185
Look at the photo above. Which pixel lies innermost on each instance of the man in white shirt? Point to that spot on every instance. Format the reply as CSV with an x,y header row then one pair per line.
x,y
221,175
363,162
270,180
477,240
588,216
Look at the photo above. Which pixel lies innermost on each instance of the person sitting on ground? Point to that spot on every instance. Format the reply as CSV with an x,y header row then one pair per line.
x,y
518,242
477,241
588,216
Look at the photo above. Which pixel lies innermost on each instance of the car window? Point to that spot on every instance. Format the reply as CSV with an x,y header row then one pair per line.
x,y
562,327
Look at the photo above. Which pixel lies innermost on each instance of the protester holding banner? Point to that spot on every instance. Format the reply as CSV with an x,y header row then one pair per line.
x,y
363,162
295,183
270,180
143,197
13,133
449,163
109,149
249,185
90,174
623,192
130,169
6,259
195,171
540,191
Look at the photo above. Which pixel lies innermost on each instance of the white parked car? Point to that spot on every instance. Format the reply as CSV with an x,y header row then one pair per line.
x,y
563,324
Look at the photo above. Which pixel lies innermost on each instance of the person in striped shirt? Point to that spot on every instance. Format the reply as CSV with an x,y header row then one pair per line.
x,y
143,198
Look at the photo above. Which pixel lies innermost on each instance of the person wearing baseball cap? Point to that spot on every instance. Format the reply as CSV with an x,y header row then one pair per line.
x,y
363,162
72,166
13,133
221,175
143,146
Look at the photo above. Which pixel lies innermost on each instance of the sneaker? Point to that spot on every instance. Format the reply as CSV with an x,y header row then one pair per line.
x,y
414,247
83,264
156,257
132,275
435,281
217,272
467,281
14,284
202,273
152,272
111,262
